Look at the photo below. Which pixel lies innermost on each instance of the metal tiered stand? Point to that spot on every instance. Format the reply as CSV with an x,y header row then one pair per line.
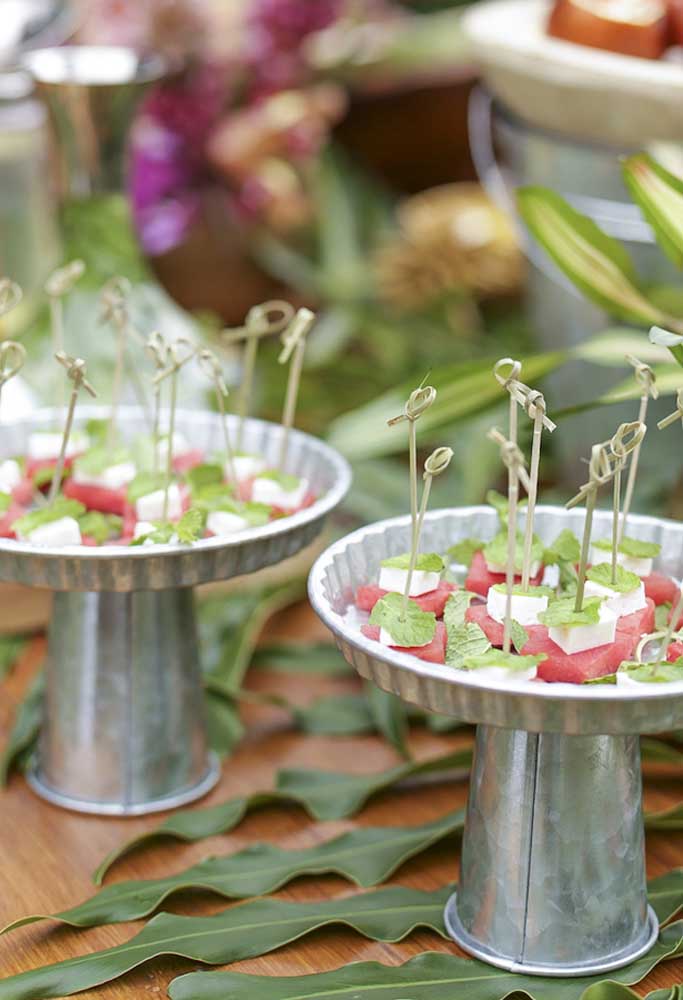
x,y
552,875
123,730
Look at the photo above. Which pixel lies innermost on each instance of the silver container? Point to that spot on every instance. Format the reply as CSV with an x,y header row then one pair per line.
x,y
552,871
124,731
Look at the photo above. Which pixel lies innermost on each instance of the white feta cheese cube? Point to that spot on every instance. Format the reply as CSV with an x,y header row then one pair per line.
x,y
46,445
641,567
272,493
246,467
10,475
142,528
497,674
621,604
385,638
150,507
113,478
625,680
394,579
498,568
525,607
579,637
63,531
224,522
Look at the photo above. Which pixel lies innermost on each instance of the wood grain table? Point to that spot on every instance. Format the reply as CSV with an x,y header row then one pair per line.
x,y
47,855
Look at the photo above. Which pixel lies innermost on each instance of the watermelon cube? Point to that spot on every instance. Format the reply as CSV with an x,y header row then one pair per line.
x,y
12,514
97,497
661,589
575,668
674,651
434,651
480,580
493,630
435,600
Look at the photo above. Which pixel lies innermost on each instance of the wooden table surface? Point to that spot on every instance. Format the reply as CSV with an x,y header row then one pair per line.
x,y
47,855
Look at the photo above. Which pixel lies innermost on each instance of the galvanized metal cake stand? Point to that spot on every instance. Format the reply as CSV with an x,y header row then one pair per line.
x,y
552,874
123,730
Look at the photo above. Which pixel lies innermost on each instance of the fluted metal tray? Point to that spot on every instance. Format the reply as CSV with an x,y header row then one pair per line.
x,y
513,704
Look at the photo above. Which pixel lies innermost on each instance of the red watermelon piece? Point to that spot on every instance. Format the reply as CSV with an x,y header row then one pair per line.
x,y
575,668
638,622
674,651
96,497
435,600
480,580
493,630
34,465
188,460
12,514
23,492
434,651
661,589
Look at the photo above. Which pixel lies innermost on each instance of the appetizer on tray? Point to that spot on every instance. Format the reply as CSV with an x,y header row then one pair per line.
x,y
576,610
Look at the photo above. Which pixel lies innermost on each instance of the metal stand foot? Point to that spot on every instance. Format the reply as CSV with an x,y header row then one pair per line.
x,y
124,729
553,875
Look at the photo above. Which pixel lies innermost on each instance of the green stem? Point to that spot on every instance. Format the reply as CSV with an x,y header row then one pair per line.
x,y
116,385
513,492
412,448
633,468
171,431
532,495
416,540
616,500
249,367
226,434
59,467
155,428
289,409
585,545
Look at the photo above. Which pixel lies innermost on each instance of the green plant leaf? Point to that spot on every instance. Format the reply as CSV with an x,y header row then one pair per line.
x,y
241,932
365,856
336,715
325,795
672,341
659,751
301,658
25,730
670,818
11,648
224,728
390,716
430,976
597,264
659,195
464,389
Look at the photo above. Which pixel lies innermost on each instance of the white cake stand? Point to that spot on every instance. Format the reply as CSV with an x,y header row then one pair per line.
x,y
552,877
123,730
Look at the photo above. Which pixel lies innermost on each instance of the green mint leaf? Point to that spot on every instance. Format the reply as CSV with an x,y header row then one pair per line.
x,y
96,460
455,608
427,562
97,430
62,507
5,501
605,679
144,483
631,547
496,551
519,590
415,627
216,496
190,527
463,552
519,636
100,526
561,614
654,673
466,639
500,505
662,612
624,583
206,474
256,514
43,476
565,548
285,479
497,658
161,534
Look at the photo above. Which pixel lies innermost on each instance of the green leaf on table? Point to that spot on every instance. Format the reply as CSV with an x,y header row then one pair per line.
x,y
429,976
659,751
561,614
336,715
11,648
365,856
624,581
325,795
390,716
224,727
659,195
426,562
463,552
595,262
406,622
301,658
464,640
246,931
25,729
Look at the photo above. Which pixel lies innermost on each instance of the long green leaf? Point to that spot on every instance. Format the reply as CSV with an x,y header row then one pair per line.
x,y
366,856
336,715
659,194
665,819
240,932
325,795
301,658
25,730
390,716
464,390
597,264
431,976
11,648
666,894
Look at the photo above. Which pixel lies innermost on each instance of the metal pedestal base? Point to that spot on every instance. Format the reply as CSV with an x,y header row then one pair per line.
x,y
123,730
553,875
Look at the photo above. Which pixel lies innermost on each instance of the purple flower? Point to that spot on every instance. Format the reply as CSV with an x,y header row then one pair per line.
x,y
275,30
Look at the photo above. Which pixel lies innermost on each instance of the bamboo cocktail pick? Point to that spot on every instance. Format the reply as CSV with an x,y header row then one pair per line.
x,y
179,353
534,405
76,371
57,287
292,353
600,471
113,298
676,415
513,459
435,464
10,297
261,321
627,440
646,379
156,348
12,358
211,367
418,401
